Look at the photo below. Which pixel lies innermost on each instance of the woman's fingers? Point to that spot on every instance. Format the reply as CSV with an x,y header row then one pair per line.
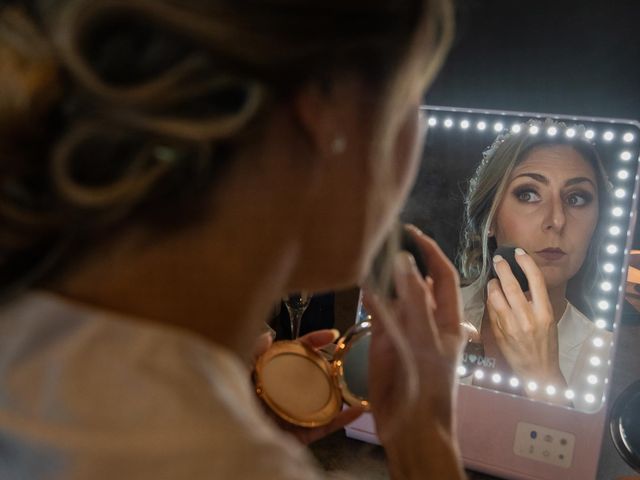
x,y
509,284
511,288
412,292
498,309
470,332
263,343
320,338
445,283
430,291
537,286
316,339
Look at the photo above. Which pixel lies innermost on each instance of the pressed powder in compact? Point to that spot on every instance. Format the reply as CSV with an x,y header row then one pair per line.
x,y
300,385
284,373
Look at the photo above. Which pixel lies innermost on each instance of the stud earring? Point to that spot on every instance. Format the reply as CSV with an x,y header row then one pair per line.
x,y
338,145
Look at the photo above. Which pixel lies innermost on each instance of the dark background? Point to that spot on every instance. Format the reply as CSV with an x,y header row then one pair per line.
x,y
562,56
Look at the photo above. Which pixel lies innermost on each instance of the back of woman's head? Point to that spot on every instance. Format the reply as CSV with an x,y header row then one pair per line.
x,y
113,110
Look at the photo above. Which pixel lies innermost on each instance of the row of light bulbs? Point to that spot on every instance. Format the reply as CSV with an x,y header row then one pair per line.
x,y
533,386
590,134
550,390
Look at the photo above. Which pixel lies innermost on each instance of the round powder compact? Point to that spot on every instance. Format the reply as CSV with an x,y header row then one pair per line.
x,y
296,382
304,388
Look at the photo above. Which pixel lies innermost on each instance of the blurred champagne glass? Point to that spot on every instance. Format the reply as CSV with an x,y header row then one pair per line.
x,y
296,304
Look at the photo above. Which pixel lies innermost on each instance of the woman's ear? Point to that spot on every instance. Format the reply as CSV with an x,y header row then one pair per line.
x,y
324,113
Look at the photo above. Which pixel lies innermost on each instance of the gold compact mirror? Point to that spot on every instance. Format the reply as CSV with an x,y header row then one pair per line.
x,y
308,387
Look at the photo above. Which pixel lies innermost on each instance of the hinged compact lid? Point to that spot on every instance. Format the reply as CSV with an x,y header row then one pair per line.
x,y
351,364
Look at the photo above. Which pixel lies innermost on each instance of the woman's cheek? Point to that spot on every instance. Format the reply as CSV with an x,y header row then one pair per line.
x,y
407,150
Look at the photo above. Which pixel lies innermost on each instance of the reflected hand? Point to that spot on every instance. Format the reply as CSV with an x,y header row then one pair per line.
x,y
317,340
471,332
417,432
525,330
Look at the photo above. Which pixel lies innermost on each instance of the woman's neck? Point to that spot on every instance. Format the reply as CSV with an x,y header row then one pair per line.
x,y
558,299
223,294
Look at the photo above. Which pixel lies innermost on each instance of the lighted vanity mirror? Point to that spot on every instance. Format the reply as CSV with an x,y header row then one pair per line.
x,y
564,189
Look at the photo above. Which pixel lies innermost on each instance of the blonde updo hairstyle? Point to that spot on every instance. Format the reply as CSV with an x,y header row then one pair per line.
x,y
488,185
129,110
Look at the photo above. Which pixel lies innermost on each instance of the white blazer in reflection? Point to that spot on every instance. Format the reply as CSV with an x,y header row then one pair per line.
x,y
577,351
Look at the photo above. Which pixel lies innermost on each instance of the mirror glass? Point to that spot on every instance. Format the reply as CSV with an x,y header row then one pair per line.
x,y
563,189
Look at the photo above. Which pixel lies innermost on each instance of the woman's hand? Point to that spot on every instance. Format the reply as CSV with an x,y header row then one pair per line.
x,y
316,340
525,329
418,430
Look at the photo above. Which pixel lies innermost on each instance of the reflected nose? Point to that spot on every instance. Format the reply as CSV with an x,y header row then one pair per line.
x,y
555,217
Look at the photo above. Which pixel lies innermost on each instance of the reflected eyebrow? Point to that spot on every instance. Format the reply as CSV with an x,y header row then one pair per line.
x,y
544,180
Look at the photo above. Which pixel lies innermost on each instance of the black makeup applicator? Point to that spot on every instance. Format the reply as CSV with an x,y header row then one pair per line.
x,y
508,253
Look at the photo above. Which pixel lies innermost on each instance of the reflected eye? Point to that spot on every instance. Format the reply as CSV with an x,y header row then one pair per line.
x,y
579,199
527,195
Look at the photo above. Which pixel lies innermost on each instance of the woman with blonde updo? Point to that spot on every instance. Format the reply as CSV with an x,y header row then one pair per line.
x,y
543,195
168,170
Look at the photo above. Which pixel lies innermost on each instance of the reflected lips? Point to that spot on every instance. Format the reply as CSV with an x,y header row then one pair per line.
x,y
551,254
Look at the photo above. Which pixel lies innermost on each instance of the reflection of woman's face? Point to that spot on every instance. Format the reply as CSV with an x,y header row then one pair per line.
x,y
550,208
